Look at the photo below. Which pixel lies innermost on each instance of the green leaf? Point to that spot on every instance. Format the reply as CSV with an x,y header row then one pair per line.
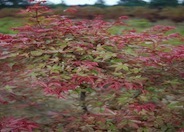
x,y
9,88
46,57
99,104
125,67
119,66
118,74
122,100
37,53
42,65
136,70
64,76
130,51
173,104
173,82
143,98
90,90
115,60
143,130
55,68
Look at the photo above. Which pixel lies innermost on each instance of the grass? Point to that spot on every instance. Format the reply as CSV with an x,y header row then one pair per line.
x,y
143,24
7,23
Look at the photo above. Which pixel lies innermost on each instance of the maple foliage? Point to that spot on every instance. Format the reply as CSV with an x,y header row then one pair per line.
x,y
125,75
16,125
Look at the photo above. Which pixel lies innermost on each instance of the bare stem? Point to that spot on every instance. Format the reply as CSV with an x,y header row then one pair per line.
x,y
37,20
82,100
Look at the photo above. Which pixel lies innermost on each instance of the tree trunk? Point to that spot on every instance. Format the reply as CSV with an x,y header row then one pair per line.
x,y
82,101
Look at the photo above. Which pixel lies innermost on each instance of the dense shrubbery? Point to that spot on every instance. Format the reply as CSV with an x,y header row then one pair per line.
x,y
90,12
170,13
9,12
126,82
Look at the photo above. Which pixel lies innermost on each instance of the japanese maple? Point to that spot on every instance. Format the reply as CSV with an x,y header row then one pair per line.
x,y
122,76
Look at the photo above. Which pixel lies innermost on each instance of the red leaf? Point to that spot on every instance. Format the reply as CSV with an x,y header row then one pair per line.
x,y
140,107
17,124
71,10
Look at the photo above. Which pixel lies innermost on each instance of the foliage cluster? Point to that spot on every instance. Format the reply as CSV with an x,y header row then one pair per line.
x,y
132,81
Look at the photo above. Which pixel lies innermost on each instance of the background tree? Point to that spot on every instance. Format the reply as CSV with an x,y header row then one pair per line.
x,y
132,2
13,3
2,3
100,3
182,3
163,3
63,2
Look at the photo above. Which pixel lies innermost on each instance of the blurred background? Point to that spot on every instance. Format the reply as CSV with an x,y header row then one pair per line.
x,y
142,13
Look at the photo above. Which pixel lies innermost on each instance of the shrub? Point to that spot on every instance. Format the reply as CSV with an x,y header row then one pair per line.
x,y
116,11
88,12
147,13
173,14
124,82
9,12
